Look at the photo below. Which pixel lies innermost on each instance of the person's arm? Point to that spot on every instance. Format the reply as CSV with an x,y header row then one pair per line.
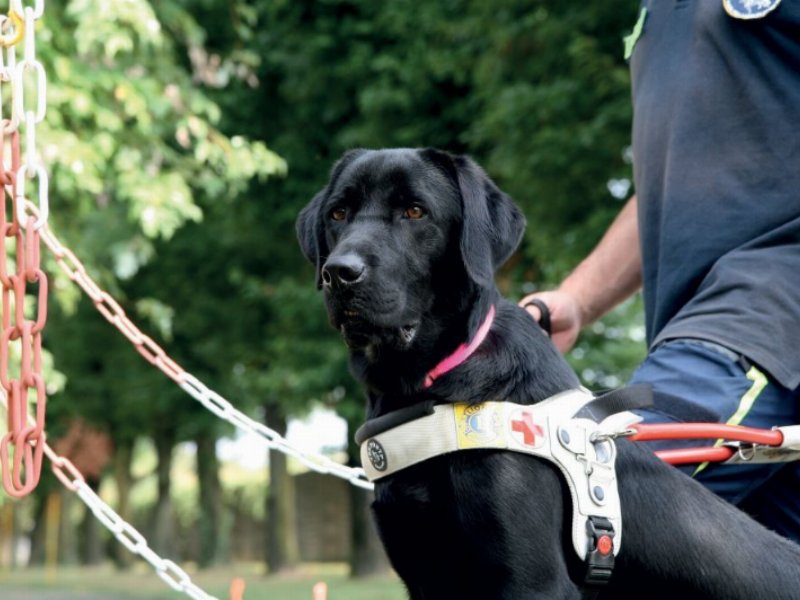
x,y
611,273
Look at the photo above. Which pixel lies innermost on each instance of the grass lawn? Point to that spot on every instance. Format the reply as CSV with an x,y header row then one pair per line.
x,y
105,583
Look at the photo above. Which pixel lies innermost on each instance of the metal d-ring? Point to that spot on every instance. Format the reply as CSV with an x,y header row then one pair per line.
x,y
746,452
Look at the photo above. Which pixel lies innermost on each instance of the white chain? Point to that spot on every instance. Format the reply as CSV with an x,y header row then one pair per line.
x,y
30,168
8,66
37,8
125,533
134,541
211,400
269,437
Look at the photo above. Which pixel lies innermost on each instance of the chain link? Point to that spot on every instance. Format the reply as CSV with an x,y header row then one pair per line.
x,y
155,355
269,437
18,7
22,446
129,536
124,532
17,24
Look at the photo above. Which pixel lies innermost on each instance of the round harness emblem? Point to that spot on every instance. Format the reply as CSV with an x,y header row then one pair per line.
x,y
376,455
749,9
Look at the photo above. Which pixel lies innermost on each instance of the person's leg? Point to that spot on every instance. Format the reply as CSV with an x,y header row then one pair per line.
x,y
690,378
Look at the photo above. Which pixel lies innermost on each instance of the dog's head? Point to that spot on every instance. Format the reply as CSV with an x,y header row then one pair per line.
x,y
395,231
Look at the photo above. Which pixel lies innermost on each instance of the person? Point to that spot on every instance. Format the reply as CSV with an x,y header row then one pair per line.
x,y
712,235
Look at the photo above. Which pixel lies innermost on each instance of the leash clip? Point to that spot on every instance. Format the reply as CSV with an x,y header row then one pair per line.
x,y
746,452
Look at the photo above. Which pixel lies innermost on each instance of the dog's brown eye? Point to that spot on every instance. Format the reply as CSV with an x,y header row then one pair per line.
x,y
414,212
339,214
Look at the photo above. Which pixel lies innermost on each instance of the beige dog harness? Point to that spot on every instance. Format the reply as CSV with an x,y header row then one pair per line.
x,y
583,449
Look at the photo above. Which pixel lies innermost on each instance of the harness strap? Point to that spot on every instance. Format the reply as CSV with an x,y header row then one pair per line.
x,y
628,398
391,420
582,449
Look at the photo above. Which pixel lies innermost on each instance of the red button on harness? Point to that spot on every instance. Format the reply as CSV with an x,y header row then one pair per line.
x,y
605,545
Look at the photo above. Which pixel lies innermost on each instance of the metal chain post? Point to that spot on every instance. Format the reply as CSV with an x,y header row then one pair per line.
x,y
21,472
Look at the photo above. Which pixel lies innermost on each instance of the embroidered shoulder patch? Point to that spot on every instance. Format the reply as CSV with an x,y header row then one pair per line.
x,y
749,9
479,426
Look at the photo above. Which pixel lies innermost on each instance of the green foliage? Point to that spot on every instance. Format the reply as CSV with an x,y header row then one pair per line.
x,y
136,153
162,181
127,124
608,351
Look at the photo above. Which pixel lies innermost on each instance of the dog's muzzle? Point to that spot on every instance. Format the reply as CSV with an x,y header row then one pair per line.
x,y
345,278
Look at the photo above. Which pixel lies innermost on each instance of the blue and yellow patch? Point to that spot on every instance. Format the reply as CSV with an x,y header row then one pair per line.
x,y
479,426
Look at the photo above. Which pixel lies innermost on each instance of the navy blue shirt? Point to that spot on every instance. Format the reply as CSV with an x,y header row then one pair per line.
x,y
716,144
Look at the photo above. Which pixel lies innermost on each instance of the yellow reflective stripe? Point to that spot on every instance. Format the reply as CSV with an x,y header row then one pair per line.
x,y
745,404
630,40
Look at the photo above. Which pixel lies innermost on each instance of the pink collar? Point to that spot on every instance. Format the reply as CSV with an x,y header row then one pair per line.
x,y
463,352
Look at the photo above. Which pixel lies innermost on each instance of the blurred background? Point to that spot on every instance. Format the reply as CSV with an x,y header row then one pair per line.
x,y
182,138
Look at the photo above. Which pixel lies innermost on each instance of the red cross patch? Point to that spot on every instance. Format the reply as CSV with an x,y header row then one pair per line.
x,y
525,431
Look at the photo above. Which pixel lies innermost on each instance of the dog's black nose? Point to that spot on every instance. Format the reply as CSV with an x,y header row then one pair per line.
x,y
346,269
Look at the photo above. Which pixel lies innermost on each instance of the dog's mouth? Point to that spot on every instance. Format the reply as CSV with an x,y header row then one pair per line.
x,y
360,333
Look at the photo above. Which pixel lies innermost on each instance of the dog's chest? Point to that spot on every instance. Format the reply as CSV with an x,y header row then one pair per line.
x,y
476,510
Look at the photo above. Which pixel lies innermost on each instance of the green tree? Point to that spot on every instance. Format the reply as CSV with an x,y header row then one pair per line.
x,y
135,149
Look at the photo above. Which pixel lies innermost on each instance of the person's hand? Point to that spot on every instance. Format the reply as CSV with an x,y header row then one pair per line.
x,y
565,316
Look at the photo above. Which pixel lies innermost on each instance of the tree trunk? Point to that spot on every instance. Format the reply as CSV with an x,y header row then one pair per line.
x,y
367,556
8,536
213,544
163,523
283,548
19,533
91,548
39,533
123,457
67,538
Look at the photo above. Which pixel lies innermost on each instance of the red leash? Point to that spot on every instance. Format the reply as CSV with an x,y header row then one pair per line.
x,y
701,431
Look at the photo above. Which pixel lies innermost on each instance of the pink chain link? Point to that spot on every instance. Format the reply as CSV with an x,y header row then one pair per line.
x,y
22,469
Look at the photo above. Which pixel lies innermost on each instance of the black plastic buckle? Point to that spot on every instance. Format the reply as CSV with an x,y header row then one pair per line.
x,y
600,555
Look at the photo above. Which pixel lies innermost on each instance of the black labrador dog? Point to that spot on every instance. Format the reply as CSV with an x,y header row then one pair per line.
x,y
406,243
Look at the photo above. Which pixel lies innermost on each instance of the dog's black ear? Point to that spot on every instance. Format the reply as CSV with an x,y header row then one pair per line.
x,y
311,233
310,224
492,224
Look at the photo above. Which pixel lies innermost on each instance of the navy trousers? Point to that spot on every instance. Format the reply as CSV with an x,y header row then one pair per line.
x,y
728,388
